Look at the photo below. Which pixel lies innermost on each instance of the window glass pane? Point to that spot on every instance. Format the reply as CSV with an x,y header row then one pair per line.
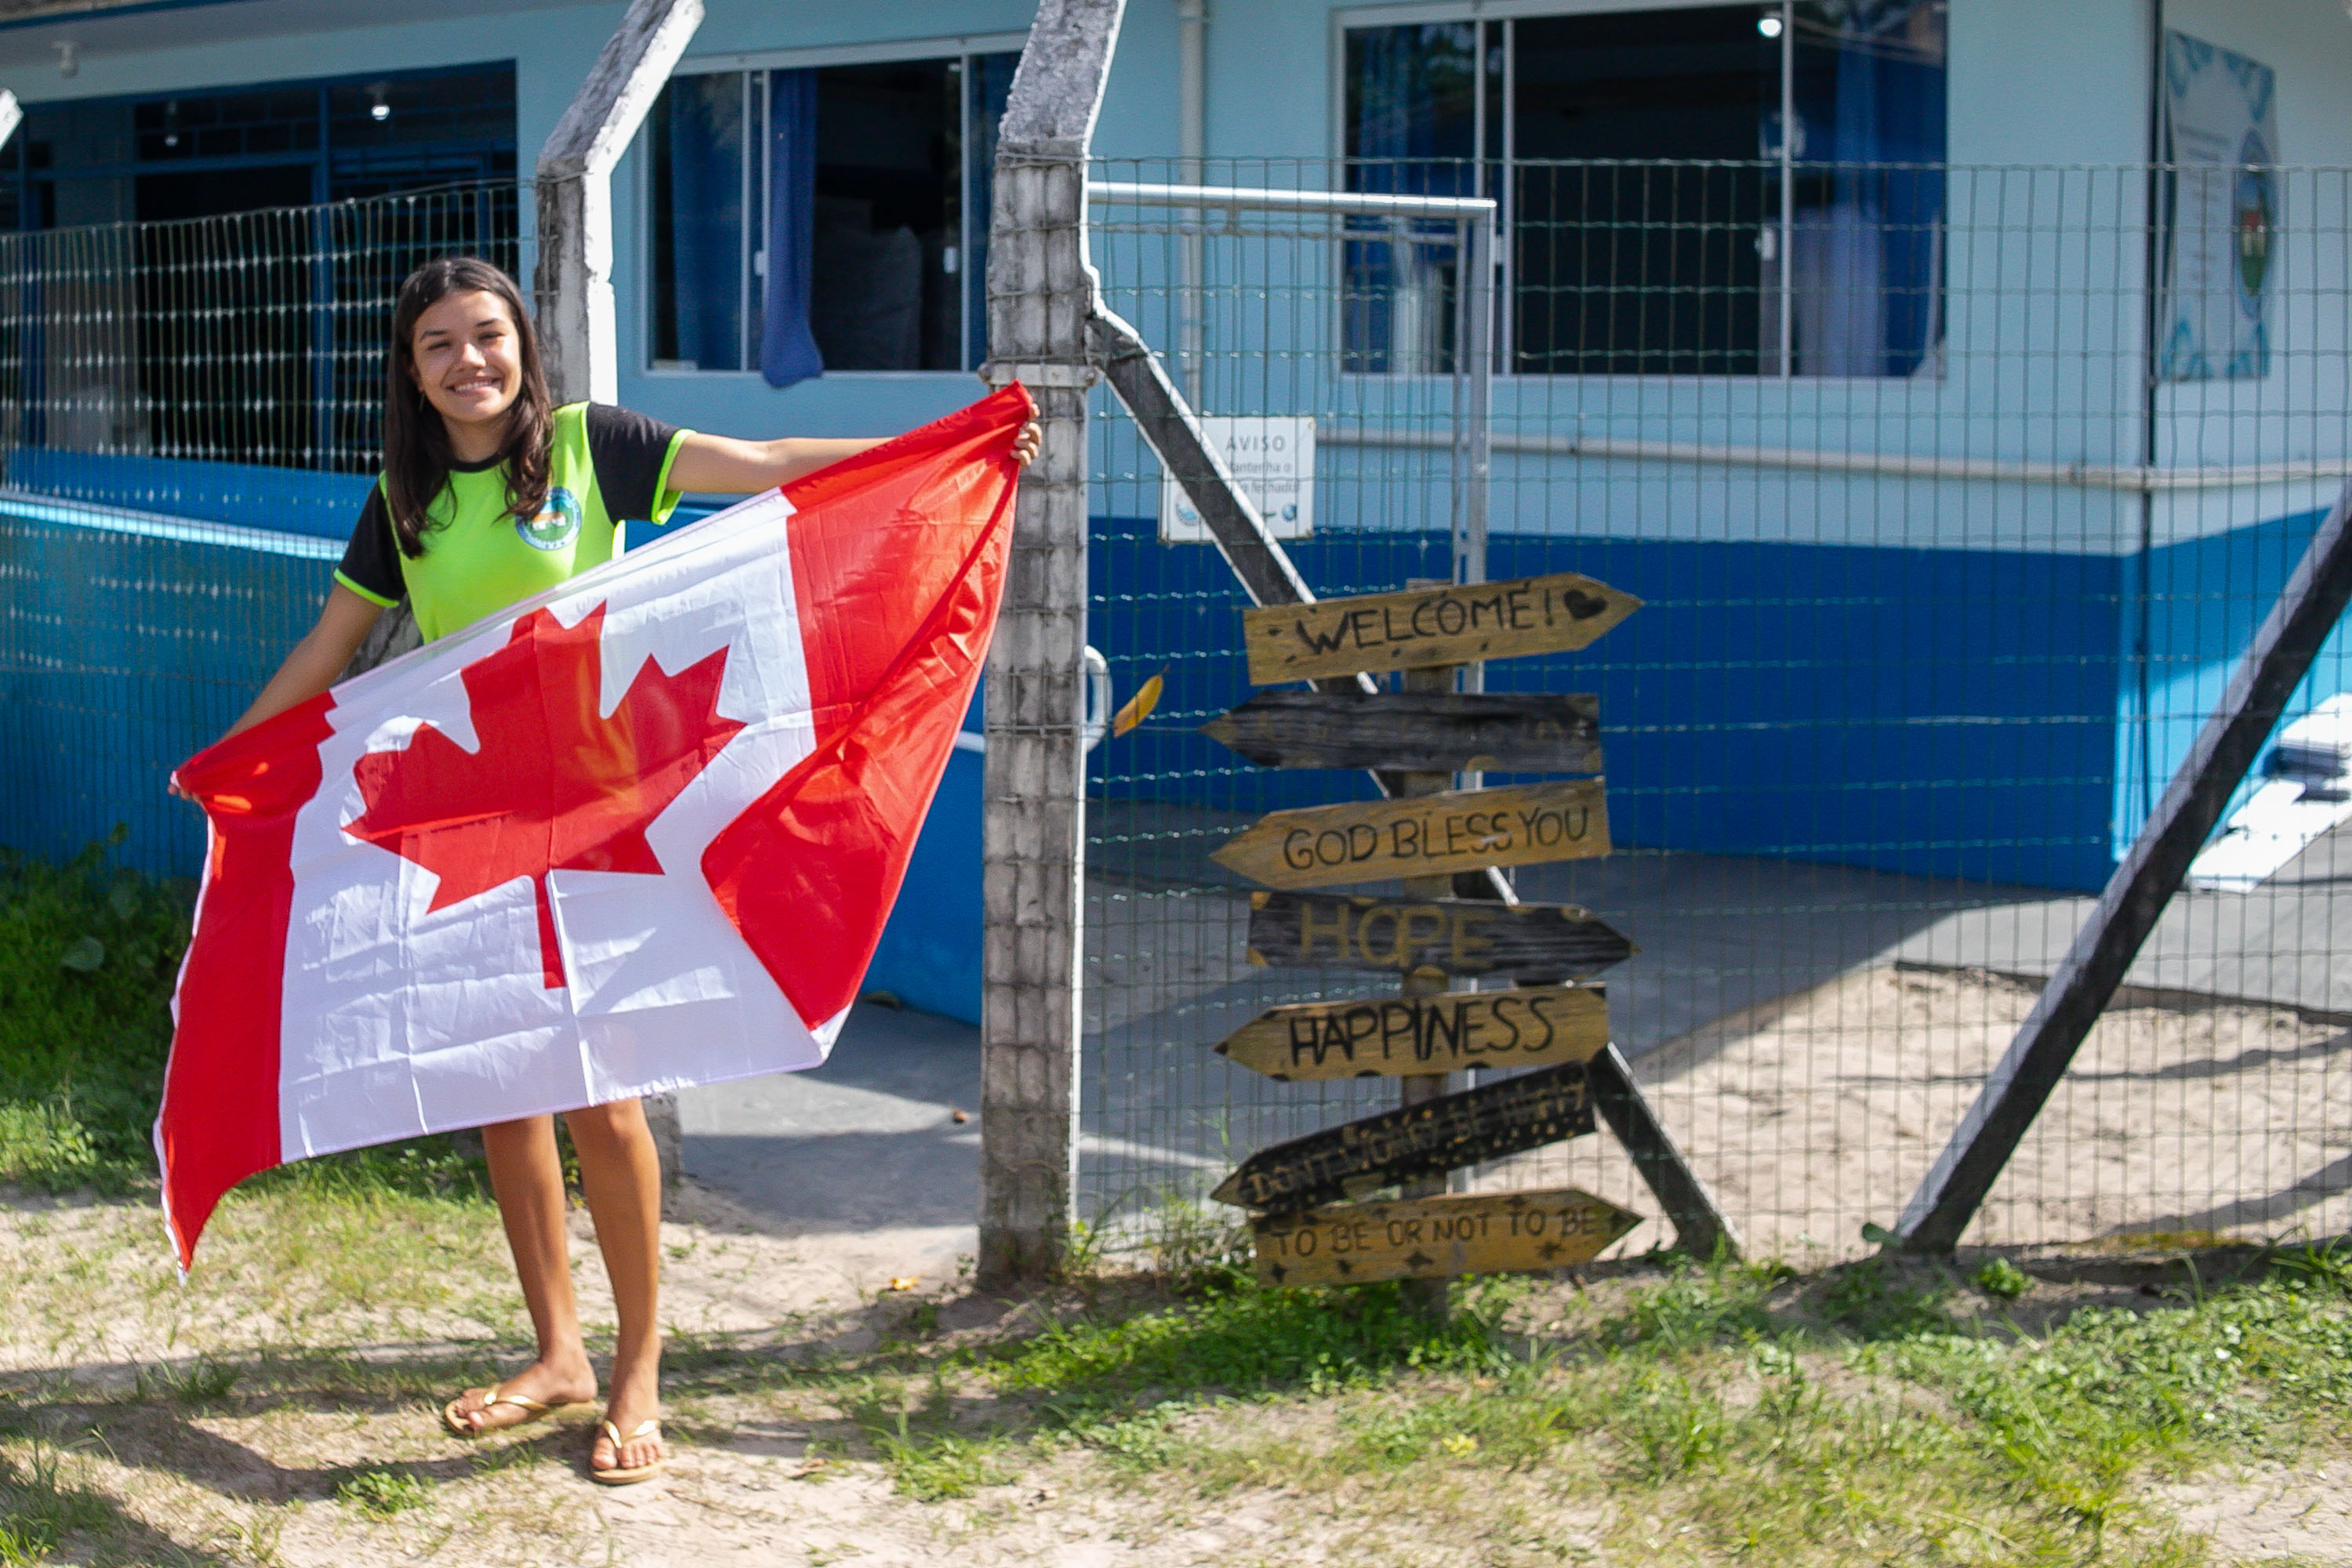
x,y
758,181
1633,269
1866,240
698,147
414,130
992,87
888,196
1412,109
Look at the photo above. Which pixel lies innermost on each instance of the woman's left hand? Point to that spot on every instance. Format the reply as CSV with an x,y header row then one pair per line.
x,y
1025,445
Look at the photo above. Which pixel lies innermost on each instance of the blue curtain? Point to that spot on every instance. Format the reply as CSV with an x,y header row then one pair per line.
x,y
1867,263
706,218
788,350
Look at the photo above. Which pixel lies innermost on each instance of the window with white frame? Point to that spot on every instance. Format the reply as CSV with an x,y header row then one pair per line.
x,y
1656,219
822,217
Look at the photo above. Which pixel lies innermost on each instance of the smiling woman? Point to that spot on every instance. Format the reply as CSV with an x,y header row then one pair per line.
x,y
490,496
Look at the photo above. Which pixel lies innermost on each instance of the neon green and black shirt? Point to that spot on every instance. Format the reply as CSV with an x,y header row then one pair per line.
x,y
606,466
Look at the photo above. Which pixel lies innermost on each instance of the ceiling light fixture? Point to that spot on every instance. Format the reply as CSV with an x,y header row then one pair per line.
x,y
379,110
1770,26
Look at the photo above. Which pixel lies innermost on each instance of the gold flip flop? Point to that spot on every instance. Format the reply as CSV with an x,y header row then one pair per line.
x,y
532,1410
636,1473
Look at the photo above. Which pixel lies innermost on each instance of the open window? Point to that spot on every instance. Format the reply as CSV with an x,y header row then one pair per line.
x,y
827,218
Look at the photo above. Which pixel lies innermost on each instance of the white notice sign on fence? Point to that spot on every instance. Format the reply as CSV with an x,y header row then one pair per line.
x,y
1273,459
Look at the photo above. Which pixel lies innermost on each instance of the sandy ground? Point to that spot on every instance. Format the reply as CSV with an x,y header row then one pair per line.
x,y
771,1464
1818,1113
96,1336
1810,1116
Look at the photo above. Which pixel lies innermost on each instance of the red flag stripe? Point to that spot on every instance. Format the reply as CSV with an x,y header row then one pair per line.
x,y
220,1121
897,637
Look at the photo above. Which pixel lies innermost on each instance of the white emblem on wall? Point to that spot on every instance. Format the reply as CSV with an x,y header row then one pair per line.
x,y
1273,459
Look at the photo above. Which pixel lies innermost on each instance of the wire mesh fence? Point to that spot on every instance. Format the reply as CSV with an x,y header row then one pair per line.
x,y
1942,570
189,413
255,338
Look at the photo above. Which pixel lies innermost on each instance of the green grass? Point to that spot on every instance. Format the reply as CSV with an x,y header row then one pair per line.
x,y
1875,1413
41,1509
379,1494
1237,1339
88,954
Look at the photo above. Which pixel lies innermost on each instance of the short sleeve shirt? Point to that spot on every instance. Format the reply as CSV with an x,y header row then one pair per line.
x,y
605,466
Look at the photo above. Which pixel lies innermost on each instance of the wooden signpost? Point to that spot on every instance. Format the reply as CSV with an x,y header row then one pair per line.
x,y
1477,1233
1423,835
1395,1037
1431,1138
1457,937
1416,739
1421,627
1416,730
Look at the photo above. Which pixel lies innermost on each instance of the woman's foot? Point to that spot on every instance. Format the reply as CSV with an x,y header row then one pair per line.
x,y
635,1415
531,1394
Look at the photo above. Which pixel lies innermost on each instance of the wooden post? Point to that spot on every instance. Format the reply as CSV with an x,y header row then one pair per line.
x,y
574,279
1427,1296
1040,290
2021,1083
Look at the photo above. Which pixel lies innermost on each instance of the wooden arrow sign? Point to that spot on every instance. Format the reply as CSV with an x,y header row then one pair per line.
x,y
1422,836
1417,731
1423,1140
1396,1036
1438,1239
1445,936
1424,626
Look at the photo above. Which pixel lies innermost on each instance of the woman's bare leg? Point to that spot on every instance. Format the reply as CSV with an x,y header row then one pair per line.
x,y
620,1175
527,1177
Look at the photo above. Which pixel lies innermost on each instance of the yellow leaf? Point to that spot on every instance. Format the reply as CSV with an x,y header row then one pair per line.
x,y
1140,706
903,1282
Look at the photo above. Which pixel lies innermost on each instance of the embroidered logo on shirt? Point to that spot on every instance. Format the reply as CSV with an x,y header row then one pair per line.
x,y
557,525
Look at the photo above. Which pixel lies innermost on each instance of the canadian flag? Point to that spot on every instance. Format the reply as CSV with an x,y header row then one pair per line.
x,y
637,834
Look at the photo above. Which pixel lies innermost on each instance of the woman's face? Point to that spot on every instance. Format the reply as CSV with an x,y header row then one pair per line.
x,y
468,358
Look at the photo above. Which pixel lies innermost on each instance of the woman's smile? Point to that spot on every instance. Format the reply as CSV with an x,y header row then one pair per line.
x,y
468,367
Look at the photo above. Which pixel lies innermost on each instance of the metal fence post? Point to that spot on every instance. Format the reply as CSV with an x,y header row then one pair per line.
x,y
1040,290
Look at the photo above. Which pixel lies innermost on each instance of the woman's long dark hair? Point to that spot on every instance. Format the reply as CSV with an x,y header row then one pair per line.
x,y
416,455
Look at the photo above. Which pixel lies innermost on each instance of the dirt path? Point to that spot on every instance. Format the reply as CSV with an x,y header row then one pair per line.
x,y
279,1411
1819,1112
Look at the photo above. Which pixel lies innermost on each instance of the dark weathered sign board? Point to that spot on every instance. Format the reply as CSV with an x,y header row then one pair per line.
x,y
1458,624
1460,937
1422,836
1416,731
1396,1036
1437,1238
1423,1140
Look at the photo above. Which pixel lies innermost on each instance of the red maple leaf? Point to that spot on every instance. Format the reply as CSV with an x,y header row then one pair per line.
x,y
554,785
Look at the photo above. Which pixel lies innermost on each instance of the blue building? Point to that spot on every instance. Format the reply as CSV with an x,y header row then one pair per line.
x,y
1956,449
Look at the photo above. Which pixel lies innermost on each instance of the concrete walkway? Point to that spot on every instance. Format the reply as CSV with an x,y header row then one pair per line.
x,y
868,1146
